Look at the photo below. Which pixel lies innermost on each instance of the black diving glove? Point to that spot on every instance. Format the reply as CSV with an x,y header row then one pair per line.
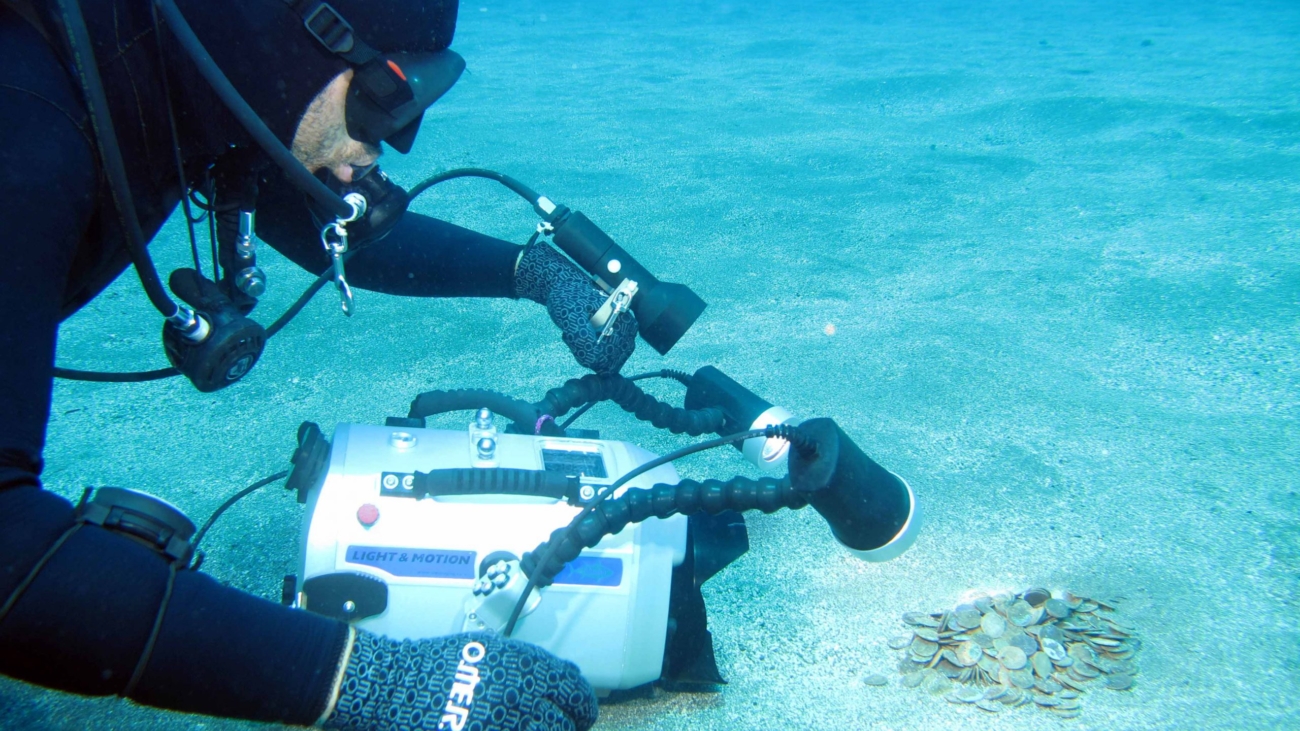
x,y
468,682
546,277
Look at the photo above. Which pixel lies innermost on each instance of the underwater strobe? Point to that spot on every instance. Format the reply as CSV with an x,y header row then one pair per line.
x,y
871,511
664,310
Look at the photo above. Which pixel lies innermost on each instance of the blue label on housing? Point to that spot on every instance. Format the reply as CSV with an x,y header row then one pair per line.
x,y
592,571
424,562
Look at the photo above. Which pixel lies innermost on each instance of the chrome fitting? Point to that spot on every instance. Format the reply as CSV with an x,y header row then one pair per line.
x,y
769,455
245,248
251,281
358,203
191,325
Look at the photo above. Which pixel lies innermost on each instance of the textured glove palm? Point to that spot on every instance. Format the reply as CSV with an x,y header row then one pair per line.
x,y
467,682
546,277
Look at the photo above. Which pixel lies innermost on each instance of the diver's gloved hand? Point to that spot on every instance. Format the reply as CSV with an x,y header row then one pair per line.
x,y
477,681
546,277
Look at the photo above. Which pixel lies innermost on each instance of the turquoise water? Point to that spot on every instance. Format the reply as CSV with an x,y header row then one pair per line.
x,y
1058,246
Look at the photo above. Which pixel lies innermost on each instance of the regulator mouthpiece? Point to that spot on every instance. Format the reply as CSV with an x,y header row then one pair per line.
x,y
871,511
381,203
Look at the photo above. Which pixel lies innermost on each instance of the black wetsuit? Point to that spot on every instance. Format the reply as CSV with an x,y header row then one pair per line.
x,y
83,623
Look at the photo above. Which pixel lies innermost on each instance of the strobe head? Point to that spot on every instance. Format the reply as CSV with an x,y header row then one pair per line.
x,y
871,511
231,348
744,410
664,311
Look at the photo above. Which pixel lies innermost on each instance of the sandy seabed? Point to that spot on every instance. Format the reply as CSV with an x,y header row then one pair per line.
x,y
1055,249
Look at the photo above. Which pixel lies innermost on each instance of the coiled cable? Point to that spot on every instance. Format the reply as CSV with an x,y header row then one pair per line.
x,y
595,387
767,494
440,402
799,441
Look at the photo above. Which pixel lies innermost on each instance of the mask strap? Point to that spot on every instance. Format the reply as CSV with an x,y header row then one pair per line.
x,y
381,79
335,33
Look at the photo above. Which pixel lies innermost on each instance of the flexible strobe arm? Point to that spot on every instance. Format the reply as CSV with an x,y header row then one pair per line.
x,y
621,390
661,501
870,511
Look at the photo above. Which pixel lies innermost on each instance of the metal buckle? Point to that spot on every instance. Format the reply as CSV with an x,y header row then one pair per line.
x,y
382,85
333,26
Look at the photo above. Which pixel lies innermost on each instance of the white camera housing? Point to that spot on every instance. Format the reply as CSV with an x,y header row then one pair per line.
x,y
607,612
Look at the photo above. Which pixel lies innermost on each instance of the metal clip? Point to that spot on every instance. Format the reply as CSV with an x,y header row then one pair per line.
x,y
619,301
334,237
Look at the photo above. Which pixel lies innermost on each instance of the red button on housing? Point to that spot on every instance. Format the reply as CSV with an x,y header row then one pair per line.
x,y
367,514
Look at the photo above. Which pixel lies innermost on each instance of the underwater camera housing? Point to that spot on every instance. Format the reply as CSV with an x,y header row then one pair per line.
x,y
380,551
414,532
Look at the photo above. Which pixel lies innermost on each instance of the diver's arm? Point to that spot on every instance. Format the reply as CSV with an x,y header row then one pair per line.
x,y
83,621
420,257
425,257
82,624
47,190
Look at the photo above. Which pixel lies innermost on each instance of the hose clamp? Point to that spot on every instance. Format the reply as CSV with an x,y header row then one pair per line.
x,y
359,206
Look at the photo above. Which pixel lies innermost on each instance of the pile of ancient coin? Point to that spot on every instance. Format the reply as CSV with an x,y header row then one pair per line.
x,y
1001,651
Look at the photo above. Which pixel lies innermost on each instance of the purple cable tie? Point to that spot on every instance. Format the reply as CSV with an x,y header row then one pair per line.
x,y
537,428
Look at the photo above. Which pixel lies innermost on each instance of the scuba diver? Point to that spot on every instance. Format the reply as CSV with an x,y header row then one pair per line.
x,y
110,121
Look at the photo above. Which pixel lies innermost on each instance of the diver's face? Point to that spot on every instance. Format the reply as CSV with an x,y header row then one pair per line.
x,y
321,140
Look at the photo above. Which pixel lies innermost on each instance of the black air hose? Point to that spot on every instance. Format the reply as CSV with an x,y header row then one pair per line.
x,y
595,387
661,501
441,402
